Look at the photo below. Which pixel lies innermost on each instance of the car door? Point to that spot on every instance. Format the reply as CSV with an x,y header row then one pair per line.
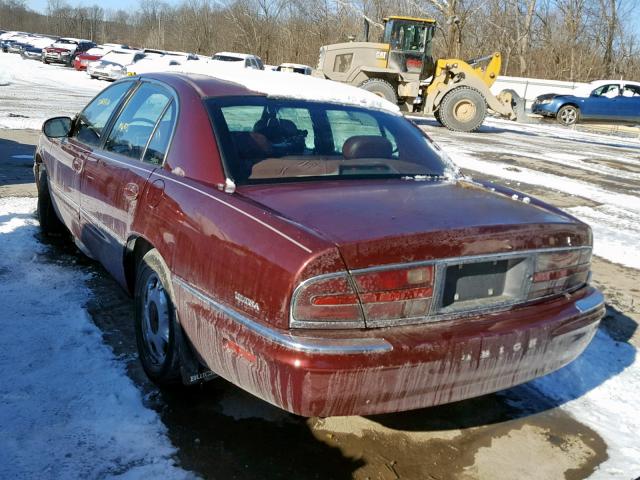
x,y
602,104
71,153
116,174
630,103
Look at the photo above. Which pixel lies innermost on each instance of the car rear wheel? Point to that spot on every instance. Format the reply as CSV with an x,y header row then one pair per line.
x,y
50,224
463,109
568,115
155,321
381,88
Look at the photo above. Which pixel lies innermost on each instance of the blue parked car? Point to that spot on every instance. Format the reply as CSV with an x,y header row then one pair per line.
x,y
602,101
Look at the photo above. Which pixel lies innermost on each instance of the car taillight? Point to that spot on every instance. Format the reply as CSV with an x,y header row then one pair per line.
x,y
332,301
395,294
378,296
557,272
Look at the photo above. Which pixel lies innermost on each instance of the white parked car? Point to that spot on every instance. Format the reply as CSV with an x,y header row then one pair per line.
x,y
294,68
160,63
243,59
113,65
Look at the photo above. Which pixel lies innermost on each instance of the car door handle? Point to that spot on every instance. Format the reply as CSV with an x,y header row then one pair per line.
x,y
76,165
131,191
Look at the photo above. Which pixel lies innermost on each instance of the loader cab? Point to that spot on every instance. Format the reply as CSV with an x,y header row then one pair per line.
x,y
410,43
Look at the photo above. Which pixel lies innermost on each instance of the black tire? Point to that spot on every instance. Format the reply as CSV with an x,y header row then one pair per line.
x,y
568,115
463,109
50,224
158,350
382,88
436,114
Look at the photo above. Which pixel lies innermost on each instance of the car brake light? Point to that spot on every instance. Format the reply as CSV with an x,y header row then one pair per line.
x,y
329,300
346,301
395,294
558,272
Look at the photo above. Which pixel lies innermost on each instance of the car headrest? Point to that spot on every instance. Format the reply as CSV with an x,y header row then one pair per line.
x,y
251,145
367,146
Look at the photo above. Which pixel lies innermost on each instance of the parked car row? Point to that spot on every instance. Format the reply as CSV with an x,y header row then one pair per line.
x,y
112,61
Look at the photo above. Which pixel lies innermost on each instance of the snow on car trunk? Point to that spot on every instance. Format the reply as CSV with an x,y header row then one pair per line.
x,y
67,408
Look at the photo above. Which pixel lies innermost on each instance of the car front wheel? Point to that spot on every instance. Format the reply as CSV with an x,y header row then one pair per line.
x,y
155,321
568,115
50,224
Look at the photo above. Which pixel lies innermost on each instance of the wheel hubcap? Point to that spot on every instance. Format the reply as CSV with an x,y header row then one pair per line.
x,y
155,322
568,116
464,110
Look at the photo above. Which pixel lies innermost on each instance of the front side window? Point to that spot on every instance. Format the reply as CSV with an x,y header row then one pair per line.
x,y
607,91
268,140
94,117
135,124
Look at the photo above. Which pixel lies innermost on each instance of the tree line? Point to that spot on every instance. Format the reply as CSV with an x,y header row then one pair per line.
x,y
576,40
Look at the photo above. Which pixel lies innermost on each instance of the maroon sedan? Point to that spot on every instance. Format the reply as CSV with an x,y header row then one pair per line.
x,y
323,256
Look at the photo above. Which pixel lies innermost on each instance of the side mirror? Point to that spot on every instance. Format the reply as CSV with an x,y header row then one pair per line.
x,y
57,127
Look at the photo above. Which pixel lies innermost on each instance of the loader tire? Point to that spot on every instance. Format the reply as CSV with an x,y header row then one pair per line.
x,y
463,109
436,114
381,88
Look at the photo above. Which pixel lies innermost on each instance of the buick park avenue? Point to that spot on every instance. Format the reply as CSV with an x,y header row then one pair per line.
x,y
320,253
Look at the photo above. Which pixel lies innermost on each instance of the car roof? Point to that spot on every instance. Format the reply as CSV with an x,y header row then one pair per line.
x,y
226,82
205,85
598,83
234,54
294,65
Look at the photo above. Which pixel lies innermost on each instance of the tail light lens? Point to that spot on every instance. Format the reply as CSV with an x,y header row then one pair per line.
x,y
558,272
332,301
395,294
344,301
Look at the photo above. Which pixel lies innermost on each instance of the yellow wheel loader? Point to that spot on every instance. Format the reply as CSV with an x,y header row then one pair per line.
x,y
401,68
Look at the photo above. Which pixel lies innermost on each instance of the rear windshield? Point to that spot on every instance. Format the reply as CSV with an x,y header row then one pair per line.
x,y
123,58
272,140
227,58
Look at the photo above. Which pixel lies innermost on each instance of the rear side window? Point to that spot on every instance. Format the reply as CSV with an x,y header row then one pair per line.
x,y
133,127
94,117
157,148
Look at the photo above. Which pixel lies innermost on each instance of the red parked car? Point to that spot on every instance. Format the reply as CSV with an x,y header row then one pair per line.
x,y
324,257
65,50
96,53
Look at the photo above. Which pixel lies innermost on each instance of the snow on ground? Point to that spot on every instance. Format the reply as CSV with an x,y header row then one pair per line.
x,y
600,389
616,233
67,407
51,90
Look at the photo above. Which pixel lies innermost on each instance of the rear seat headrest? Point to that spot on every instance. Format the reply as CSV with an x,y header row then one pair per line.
x,y
367,146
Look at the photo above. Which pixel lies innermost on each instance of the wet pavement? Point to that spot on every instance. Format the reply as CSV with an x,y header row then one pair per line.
x,y
222,432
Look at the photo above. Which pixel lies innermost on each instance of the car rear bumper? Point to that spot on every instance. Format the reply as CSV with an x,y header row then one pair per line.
x,y
105,75
389,369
